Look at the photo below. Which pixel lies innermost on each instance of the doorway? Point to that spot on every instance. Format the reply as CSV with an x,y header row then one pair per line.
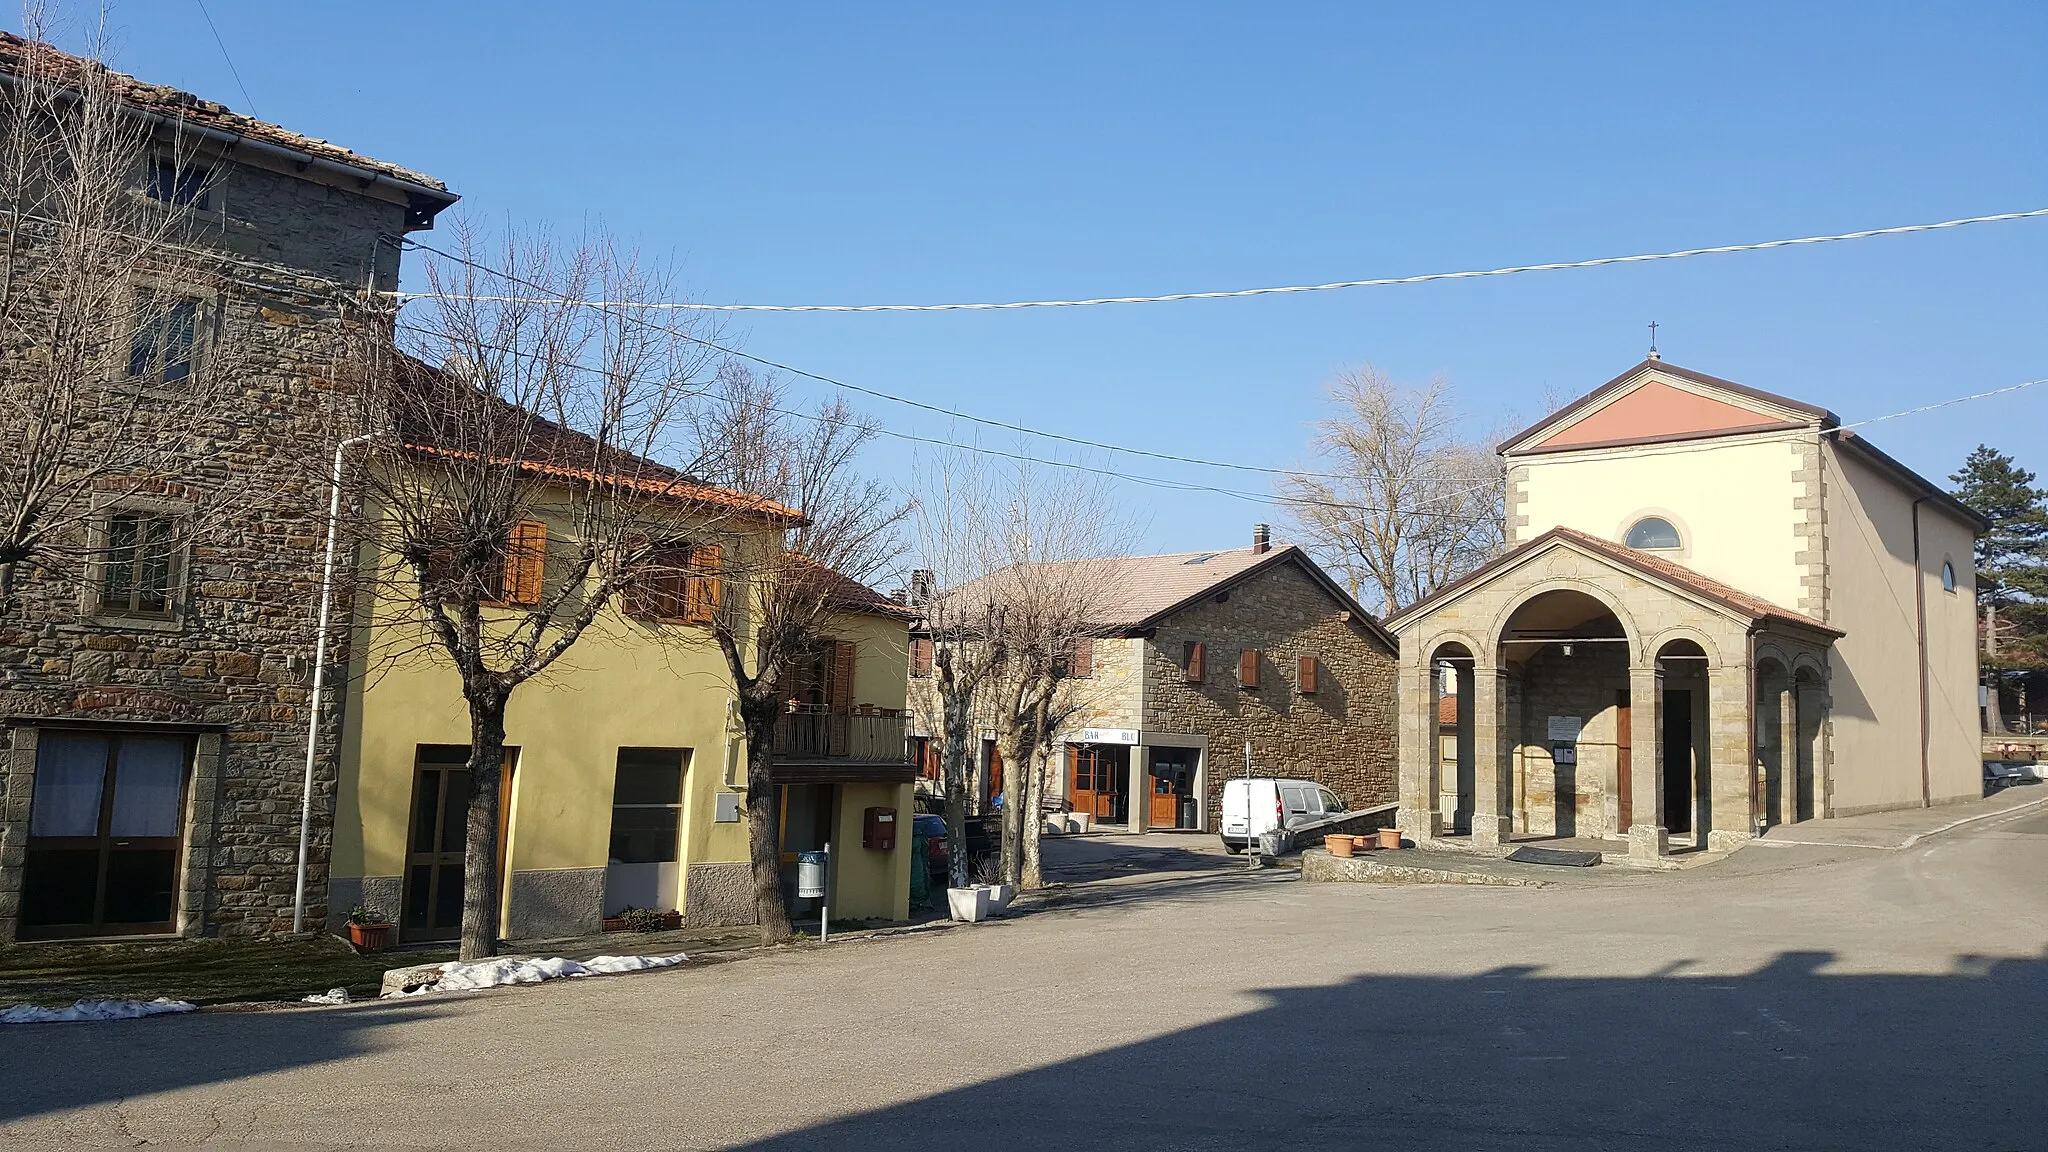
x,y
1172,800
1098,781
105,835
1678,760
437,847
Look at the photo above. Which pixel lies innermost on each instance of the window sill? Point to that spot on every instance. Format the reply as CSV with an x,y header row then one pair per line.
x,y
102,622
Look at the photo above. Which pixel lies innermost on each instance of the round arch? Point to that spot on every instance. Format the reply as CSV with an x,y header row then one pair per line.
x,y
1499,627
1687,632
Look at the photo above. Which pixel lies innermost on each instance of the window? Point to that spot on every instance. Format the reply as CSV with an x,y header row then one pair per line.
x,y
1306,675
138,568
1653,533
1248,668
182,184
684,585
647,805
166,332
1948,576
1078,661
1191,661
1331,801
519,578
104,834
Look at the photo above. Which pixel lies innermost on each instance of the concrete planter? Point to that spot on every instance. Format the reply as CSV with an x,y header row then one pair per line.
x,y
968,905
999,897
1084,821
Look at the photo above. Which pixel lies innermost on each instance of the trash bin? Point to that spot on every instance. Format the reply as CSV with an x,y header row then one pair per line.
x,y
810,875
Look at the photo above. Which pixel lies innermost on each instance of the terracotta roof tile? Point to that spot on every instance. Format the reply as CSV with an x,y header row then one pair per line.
x,y
176,104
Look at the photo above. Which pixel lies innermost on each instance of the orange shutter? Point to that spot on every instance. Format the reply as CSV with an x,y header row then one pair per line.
x,y
920,657
845,653
1308,675
1192,661
1081,660
526,557
1248,668
706,586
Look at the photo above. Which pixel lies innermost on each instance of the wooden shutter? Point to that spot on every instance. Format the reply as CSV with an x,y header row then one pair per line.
x,y
1081,658
1191,660
1308,676
1248,668
845,654
706,586
920,657
526,557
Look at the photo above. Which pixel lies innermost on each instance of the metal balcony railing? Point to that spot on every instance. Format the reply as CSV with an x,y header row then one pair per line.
x,y
875,737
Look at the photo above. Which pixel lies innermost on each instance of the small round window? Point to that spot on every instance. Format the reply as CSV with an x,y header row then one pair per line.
x,y
1948,576
1652,532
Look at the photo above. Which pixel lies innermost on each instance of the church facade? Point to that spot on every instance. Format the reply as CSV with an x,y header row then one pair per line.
x,y
1719,611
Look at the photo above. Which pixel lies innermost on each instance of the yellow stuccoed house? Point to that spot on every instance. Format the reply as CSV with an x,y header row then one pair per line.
x,y
625,768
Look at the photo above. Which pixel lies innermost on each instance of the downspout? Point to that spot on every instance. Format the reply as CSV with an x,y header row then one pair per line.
x,y
1920,636
319,677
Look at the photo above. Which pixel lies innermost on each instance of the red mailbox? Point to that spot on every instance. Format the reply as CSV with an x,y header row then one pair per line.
x,y
878,829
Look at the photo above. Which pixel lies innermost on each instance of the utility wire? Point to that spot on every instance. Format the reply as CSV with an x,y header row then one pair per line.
x,y
232,70
693,306
838,383
1946,403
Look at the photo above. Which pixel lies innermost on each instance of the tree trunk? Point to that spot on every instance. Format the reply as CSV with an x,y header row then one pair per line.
x,y
480,863
957,774
763,849
1016,766
1032,875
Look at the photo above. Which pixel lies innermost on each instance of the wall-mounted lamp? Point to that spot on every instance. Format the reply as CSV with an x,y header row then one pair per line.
x,y
1567,649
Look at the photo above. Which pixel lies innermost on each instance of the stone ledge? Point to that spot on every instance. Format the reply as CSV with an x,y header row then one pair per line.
x,y
1318,866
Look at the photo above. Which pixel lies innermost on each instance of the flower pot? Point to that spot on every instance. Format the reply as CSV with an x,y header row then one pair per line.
x,y
1390,837
968,905
999,897
1365,843
1340,846
1084,821
370,937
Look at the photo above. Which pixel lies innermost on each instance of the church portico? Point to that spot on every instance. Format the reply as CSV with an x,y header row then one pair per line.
x,y
1599,695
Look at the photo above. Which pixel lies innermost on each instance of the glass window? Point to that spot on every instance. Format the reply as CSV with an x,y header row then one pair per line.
x,y
71,769
1652,532
136,572
1948,576
175,183
647,805
166,330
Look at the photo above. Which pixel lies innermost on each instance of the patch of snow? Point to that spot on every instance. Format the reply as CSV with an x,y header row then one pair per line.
x,y
460,977
93,1010
331,996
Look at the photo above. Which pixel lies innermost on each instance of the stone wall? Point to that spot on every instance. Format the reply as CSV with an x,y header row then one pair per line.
x,y
232,665
1342,736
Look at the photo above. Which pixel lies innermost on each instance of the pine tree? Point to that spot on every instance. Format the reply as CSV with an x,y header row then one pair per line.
x,y
2012,566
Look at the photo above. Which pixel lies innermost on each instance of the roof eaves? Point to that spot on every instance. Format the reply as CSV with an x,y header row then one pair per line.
x,y
1911,479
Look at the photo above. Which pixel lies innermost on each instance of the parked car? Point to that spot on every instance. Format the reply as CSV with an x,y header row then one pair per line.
x,y
938,853
1252,808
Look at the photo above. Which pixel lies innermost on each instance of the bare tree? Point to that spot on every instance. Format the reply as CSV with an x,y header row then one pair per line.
x,y
118,364
513,491
1399,501
749,438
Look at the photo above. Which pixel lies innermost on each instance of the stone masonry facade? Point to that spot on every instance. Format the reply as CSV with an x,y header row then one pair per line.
x,y
1342,735
230,668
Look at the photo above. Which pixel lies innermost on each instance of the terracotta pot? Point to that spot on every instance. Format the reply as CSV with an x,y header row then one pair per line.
x,y
1390,837
1365,843
370,937
1340,846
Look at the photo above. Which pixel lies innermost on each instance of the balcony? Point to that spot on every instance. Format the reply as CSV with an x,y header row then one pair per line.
x,y
811,733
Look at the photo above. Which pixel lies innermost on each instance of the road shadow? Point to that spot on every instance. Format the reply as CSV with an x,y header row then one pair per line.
x,y
115,1060
1789,1056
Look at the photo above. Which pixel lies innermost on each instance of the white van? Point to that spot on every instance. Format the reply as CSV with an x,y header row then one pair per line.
x,y
1272,804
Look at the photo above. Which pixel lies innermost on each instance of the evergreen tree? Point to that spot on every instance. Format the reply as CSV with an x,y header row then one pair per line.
x,y
2012,567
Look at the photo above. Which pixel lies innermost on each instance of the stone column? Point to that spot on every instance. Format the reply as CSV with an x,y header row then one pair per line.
x,y
1493,747
1730,740
1141,788
1647,838
1417,814
1788,752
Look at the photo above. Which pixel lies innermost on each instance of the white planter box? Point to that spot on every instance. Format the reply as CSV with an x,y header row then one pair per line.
x,y
969,905
999,897
1084,821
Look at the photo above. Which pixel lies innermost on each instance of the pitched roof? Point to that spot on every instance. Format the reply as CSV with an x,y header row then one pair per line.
x,y
1741,603
174,104
1694,415
843,591
1142,590
427,396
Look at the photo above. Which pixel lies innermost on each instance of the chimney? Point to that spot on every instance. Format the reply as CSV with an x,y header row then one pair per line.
x,y
1262,538
920,587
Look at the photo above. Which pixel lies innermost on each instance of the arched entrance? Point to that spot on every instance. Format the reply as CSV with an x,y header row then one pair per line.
x,y
1451,679
1790,707
1565,659
1682,667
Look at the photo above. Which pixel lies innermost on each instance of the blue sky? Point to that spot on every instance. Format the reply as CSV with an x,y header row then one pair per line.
x,y
859,154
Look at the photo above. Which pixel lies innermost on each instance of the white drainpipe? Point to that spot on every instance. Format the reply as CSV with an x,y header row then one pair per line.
x,y
319,677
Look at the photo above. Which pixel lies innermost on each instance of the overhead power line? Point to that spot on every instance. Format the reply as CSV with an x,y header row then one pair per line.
x,y
1946,403
1381,282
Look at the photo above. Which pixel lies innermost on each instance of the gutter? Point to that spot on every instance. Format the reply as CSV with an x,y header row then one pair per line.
x,y
416,216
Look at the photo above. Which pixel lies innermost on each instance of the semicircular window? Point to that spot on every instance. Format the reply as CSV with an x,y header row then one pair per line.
x,y
1652,532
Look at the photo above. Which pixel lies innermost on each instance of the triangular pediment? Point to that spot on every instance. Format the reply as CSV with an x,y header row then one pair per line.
x,y
1656,402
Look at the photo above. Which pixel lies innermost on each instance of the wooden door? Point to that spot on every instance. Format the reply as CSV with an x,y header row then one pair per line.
x,y
438,846
1081,790
1164,811
1624,760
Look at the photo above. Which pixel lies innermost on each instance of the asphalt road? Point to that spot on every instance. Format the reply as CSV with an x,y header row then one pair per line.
x,y
1789,997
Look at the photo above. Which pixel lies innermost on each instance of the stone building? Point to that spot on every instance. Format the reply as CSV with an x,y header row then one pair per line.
x,y
1197,654
153,715
1719,611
